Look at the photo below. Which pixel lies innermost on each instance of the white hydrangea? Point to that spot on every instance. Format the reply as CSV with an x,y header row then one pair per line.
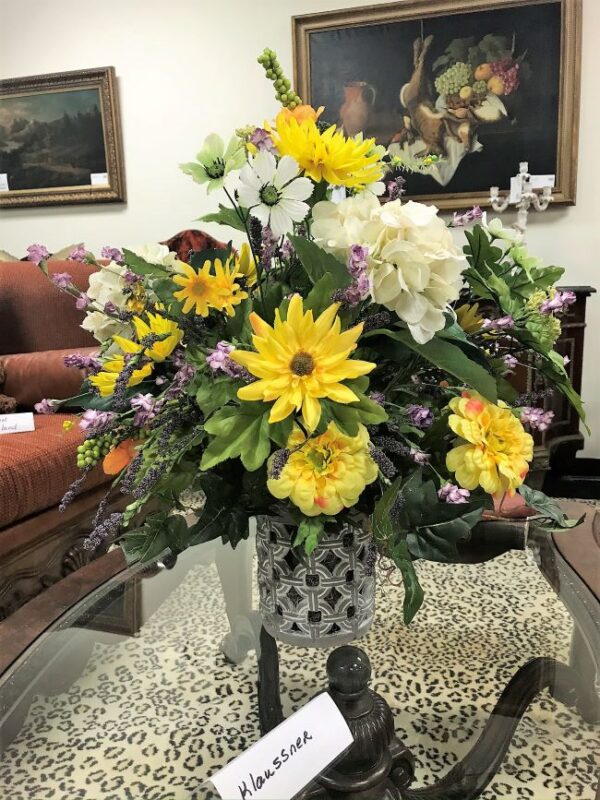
x,y
414,265
107,285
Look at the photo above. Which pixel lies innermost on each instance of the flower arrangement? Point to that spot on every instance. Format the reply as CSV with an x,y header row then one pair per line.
x,y
347,361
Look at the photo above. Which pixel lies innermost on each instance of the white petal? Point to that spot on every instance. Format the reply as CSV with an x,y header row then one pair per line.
x,y
248,196
293,208
264,165
280,221
300,189
249,177
286,170
262,212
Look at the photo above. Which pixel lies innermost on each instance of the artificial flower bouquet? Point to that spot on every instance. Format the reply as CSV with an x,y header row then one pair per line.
x,y
346,361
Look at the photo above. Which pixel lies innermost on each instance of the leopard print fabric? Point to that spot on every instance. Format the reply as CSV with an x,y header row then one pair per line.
x,y
152,716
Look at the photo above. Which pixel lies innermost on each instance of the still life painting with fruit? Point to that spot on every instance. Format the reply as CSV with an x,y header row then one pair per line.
x,y
473,90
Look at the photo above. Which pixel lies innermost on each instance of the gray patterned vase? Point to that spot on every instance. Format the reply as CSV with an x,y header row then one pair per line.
x,y
323,600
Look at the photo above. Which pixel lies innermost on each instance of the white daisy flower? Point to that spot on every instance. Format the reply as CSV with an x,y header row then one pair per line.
x,y
272,192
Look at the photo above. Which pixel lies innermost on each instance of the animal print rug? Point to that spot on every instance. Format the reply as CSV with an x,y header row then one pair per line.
x,y
152,716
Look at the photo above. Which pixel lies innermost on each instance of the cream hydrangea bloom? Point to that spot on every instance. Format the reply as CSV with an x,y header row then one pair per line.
x,y
414,265
107,285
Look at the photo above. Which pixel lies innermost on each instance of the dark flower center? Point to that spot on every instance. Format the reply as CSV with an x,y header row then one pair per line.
x,y
269,195
216,169
302,364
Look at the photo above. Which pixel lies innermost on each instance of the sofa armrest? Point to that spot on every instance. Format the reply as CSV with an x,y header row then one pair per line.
x,y
30,377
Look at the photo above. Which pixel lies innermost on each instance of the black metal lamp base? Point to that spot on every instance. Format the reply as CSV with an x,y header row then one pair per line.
x,y
379,766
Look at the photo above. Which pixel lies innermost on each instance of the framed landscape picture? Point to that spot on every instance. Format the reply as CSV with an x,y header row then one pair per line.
x,y
60,139
483,84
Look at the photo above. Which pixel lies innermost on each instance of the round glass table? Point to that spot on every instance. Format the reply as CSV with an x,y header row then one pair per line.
x,y
141,681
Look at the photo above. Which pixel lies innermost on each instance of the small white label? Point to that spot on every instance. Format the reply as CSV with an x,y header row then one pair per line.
x,y
3,182
541,181
17,423
287,759
99,178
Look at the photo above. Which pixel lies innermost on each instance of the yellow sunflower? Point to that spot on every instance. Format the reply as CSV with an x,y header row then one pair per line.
x,y
330,155
156,324
301,360
496,451
328,473
105,381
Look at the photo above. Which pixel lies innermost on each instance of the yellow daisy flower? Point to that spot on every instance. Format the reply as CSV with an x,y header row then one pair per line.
x,y
156,324
469,318
328,156
229,293
301,360
105,381
199,291
496,451
246,264
327,473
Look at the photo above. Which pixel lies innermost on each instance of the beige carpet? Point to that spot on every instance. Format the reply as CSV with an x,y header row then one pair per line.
x,y
151,717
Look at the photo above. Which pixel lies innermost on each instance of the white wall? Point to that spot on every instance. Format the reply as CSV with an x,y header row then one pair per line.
x,y
186,68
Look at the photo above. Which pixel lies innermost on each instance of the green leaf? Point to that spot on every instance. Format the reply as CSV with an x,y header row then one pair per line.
x,y
212,394
548,507
238,431
309,533
199,257
142,267
148,541
280,431
383,529
447,357
438,541
319,297
227,216
413,593
318,263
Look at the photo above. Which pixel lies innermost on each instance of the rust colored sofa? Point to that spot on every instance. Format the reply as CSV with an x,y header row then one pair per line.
x,y
38,326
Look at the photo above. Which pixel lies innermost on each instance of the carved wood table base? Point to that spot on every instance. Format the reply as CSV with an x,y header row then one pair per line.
x,y
379,766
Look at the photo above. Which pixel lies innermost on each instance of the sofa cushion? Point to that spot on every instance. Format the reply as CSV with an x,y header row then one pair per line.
x,y
30,377
34,314
37,467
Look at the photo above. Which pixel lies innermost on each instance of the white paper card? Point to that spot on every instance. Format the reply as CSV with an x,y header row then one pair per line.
x,y
99,178
284,761
3,182
17,423
541,181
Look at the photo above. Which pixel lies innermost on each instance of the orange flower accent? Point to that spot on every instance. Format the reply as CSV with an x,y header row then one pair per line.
x,y
120,456
300,113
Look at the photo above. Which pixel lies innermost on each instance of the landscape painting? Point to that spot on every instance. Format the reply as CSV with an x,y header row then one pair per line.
x,y
480,90
52,139
60,139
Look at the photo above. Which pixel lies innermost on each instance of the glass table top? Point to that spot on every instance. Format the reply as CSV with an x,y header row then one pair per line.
x,y
130,695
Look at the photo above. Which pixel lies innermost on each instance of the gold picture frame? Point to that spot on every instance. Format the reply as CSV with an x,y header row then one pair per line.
x,y
427,13
55,131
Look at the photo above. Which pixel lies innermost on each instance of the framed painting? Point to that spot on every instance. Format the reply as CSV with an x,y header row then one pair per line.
x,y
60,139
483,84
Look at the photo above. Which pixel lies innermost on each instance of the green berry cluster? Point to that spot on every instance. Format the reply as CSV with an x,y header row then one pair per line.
x,y
284,93
480,87
454,78
92,450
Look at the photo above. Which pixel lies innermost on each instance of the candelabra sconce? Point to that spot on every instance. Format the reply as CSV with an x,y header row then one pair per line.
x,y
523,196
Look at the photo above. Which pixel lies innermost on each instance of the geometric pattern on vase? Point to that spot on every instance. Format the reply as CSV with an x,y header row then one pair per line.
x,y
324,599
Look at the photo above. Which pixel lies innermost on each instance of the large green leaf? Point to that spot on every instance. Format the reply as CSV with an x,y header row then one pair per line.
x,y
212,394
319,297
437,541
238,431
547,507
413,593
227,216
310,531
318,263
448,357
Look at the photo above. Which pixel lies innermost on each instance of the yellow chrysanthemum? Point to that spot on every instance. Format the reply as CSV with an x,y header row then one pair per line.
x,y
469,318
156,324
246,264
301,360
497,450
105,381
203,289
328,473
136,301
328,156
